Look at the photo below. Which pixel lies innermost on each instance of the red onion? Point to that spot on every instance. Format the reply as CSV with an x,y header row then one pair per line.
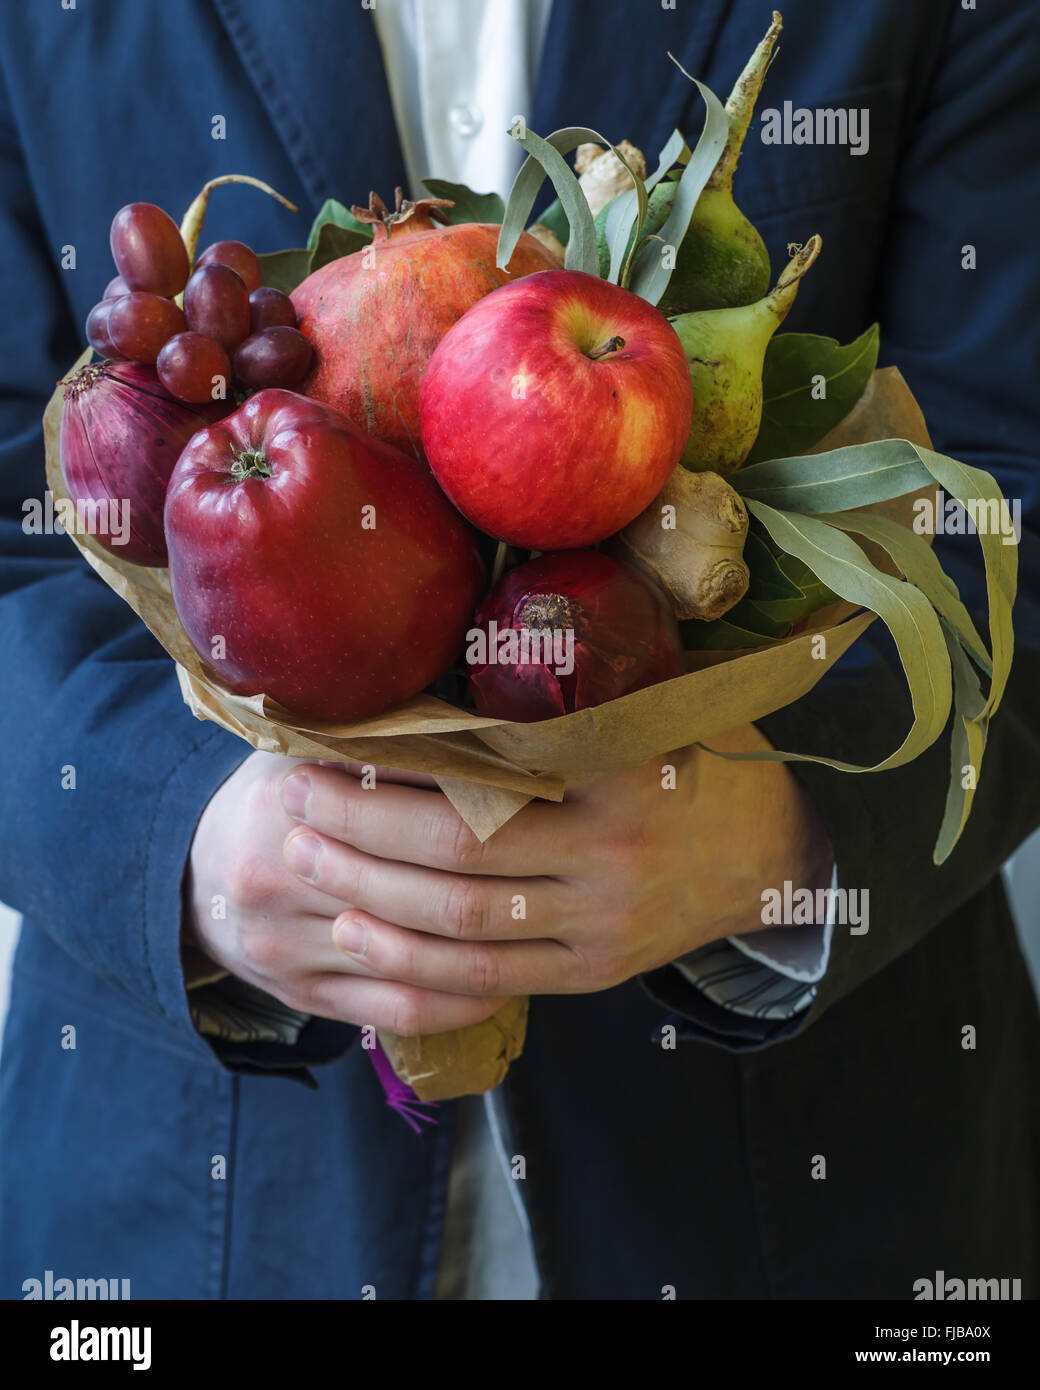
x,y
568,631
121,434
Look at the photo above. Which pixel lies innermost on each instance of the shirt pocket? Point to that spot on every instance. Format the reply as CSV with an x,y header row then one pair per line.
x,y
773,181
791,192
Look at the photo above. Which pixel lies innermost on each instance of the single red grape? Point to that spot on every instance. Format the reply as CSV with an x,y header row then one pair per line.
x,y
194,368
116,288
140,323
216,303
148,250
278,356
238,256
269,308
97,329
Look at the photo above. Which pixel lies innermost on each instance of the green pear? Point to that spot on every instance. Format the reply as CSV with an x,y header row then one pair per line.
x,y
722,260
725,349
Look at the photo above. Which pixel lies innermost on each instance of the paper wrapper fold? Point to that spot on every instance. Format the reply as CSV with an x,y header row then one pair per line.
x,y
490,769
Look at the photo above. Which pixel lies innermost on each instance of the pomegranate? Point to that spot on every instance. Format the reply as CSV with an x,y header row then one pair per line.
x,y
375,316
566,632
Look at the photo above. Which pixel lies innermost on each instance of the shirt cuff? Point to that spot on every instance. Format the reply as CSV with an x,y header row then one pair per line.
x,y
768,974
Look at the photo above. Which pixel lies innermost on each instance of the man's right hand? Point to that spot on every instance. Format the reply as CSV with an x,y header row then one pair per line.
x,y
276,930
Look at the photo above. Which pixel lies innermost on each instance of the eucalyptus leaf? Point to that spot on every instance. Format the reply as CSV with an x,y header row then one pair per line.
x,y
623,224
469,206
918,562
546,157
793,420
970,486
967,746
284,270
649,275
838,480
335,213
905,611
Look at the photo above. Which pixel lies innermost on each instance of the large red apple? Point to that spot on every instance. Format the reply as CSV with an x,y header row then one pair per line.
x,y
315,564
554,411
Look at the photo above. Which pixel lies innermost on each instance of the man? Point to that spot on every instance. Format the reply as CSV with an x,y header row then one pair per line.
x,y
841,1141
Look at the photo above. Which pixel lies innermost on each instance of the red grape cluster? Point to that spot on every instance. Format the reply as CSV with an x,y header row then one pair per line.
x,y
229,320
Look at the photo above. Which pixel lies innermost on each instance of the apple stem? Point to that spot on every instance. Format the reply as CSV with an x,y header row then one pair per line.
x,y
250,463
611,345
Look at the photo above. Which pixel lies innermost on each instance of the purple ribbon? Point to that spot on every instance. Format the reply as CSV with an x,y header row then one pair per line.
x,y
399,1095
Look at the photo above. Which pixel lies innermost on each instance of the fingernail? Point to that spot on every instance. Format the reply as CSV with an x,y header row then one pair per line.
x,y
303,854
296,794
351,936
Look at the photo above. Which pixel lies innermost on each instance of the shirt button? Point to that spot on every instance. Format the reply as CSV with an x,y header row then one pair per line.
x,y
466,120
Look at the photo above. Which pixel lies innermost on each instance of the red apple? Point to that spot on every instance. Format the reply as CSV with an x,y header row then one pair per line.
x,y
315,564
553,412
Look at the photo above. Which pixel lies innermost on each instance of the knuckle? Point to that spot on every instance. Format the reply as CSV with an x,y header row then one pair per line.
x,y
464,910
264,951
627,846
252,882
405,1014
485,973
348,811
464,849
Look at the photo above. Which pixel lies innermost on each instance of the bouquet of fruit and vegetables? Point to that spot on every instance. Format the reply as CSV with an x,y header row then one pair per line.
x,y
513,505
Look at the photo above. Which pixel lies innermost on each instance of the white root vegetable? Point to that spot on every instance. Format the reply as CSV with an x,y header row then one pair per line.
x,y
690,540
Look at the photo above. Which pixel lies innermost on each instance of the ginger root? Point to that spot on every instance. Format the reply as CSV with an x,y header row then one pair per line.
x,y
603,176
690,540
549,240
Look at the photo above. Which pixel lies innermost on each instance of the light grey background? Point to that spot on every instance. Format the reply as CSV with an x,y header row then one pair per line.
x,y
1023,875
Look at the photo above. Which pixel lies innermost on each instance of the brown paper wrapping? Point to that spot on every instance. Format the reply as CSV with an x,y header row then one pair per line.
x,y
489,769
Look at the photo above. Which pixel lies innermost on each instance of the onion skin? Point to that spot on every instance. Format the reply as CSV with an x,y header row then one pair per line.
x,y
121,434
625,637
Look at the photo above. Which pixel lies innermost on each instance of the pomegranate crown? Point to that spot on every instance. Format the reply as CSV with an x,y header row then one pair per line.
x,y
417,216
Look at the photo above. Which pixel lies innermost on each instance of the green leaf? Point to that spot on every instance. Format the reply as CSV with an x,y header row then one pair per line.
x,y
546,157
905,611
792,420
742,627
649,276
339,216
838,480
284,270
469,206
768,580
334,242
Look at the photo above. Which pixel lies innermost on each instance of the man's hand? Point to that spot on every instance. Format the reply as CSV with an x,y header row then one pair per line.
x,y
621,878
276,929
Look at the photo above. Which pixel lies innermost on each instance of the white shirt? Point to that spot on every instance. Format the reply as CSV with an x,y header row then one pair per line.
x,y
459,71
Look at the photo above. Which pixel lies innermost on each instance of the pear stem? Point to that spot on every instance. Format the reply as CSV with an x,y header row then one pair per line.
x,y
740,105
783,295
